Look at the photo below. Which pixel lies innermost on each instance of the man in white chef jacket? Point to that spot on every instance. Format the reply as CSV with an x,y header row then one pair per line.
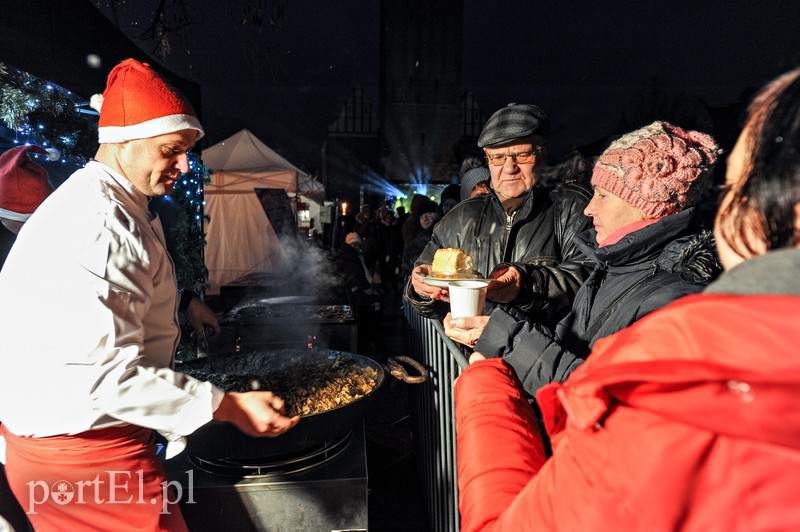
x,y
88,328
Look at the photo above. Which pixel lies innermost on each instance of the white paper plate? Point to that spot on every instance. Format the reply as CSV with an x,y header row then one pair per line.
x,y
442,282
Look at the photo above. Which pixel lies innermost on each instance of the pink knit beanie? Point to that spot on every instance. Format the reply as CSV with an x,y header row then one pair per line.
x,y
659,168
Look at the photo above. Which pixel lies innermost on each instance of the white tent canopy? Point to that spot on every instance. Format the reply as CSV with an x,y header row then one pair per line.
x,y
243,162
240,238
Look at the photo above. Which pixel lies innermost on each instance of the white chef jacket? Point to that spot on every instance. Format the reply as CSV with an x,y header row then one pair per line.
x,y
88,317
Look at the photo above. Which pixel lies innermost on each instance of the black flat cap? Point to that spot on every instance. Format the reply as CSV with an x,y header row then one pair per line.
x,y
514,121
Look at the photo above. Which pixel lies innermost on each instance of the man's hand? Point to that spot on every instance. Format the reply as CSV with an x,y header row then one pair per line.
x,y
255,413
465,331
199,314
422,289
506,285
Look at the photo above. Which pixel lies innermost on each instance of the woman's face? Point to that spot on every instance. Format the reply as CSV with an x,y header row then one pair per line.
x,y
610,212
737,166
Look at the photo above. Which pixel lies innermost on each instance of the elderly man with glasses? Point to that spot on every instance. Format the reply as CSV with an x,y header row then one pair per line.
x,y
520,234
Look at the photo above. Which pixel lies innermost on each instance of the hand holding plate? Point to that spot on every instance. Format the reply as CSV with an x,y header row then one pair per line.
x,y
506,284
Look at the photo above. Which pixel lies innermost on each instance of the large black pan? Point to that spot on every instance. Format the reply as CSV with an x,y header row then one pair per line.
x,y
222,440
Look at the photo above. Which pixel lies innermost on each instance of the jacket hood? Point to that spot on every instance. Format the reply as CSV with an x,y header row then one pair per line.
x,y
694,257
772,273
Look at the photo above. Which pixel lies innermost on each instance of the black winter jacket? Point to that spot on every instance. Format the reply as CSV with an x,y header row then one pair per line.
x,y
642,272
537,238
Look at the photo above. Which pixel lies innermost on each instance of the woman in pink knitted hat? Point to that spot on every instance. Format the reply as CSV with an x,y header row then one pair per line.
x,y
686,420
647,246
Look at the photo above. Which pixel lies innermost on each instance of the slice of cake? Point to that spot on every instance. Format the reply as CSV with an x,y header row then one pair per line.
x,y
451,262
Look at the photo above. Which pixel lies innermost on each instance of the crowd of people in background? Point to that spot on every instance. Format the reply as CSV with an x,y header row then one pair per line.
x,y
380,246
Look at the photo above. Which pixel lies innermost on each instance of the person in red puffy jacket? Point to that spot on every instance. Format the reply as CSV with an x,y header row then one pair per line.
x,y
690,418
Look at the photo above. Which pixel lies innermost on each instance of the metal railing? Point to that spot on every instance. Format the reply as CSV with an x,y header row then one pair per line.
x,y
432,410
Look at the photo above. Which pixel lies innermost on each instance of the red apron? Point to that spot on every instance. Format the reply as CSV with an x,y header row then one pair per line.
x,y
106,479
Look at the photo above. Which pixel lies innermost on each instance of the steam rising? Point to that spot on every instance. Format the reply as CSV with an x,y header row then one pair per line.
x,y
310,282
302,300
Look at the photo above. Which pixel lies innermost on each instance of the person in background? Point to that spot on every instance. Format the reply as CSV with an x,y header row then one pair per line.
x,y
366,227
449,197
520,234
475,182
363,222
691,410
89,327
354,273
428,214
401,215
390,250
647,245
411,227
24,184
574,167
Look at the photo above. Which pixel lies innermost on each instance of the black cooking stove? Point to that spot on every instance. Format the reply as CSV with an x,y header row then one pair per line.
x,y
319,489
293,321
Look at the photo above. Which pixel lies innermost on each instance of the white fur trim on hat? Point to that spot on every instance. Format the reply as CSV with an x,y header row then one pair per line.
x,y
16,216
151,128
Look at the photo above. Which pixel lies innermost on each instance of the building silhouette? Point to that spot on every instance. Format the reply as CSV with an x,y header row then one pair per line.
x,y
425,123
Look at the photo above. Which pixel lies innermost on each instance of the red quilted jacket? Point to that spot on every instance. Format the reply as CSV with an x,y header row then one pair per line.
x,y
687,420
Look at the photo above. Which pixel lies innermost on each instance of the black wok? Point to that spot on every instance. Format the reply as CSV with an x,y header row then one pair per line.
x,y
224,441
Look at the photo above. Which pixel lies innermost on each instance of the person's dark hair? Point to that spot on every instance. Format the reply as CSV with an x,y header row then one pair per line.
x,y
769,188
574,167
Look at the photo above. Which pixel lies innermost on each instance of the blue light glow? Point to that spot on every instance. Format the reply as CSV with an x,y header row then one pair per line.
x,y
377,183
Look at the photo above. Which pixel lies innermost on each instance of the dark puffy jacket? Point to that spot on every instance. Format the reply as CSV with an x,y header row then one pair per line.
x,y
537,238
642,272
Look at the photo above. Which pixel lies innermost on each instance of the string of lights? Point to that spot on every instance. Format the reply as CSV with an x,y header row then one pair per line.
x,y
188,234
42,113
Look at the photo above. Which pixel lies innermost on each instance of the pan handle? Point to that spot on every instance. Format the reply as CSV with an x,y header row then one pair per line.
x,y
397,370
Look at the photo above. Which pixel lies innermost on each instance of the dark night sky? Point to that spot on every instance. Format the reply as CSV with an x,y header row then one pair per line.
x,y
584,65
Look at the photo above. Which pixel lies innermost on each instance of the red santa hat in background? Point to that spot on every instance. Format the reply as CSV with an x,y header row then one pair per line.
x,y
138,103
23,183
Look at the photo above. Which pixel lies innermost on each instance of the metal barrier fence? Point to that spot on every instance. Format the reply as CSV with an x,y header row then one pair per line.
x,y
434,417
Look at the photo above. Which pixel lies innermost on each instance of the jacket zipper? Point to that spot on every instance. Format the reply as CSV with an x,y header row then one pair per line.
x,y
507,233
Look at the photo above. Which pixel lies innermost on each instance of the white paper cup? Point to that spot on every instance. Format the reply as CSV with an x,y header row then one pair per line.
x,y
467,298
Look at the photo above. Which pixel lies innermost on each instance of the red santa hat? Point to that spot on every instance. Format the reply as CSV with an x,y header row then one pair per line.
x,y
23,183
138,103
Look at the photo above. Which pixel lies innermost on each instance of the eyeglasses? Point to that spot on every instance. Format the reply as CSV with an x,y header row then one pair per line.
x,y
522,157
